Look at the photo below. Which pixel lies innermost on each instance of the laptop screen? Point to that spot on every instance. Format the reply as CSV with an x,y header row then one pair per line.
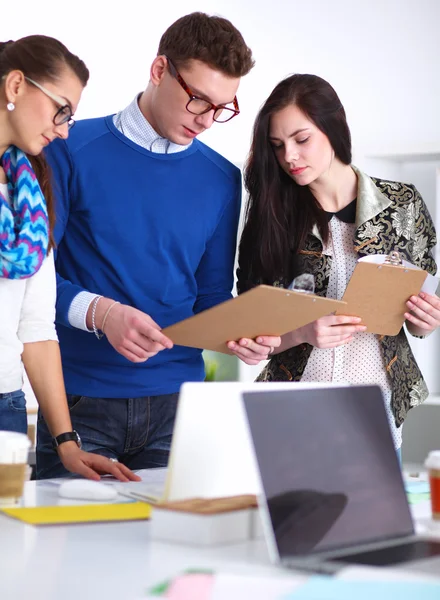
x,y
329,471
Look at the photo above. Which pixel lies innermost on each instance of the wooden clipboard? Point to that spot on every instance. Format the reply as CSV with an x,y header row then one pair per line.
x,y
264,310
378,294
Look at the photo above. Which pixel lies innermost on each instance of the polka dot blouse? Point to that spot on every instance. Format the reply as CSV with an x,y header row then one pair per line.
x,y
361,360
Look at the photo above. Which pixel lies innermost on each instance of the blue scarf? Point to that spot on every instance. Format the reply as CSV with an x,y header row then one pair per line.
x,y
24,223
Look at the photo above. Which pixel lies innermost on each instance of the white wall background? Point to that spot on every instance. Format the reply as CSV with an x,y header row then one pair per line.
x,y
382,57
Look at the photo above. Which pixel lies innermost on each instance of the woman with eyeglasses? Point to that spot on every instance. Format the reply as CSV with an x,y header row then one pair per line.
x,y
311,211
40,87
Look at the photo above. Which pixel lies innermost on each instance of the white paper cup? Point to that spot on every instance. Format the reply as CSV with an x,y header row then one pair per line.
x,y
432,463
14,448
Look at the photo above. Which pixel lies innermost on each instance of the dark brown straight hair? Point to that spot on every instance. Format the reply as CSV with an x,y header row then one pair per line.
x,y
210,39
280,214
41,58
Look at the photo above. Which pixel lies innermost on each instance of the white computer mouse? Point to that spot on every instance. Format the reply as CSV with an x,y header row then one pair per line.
x,y
84,489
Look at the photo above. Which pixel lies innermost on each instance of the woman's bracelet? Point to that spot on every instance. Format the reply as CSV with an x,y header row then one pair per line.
x,y
107,313
94,305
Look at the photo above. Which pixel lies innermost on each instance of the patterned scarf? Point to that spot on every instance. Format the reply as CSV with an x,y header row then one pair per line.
x,y
24,224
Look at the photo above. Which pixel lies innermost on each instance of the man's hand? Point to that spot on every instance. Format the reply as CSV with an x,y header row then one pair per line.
x,y
131,332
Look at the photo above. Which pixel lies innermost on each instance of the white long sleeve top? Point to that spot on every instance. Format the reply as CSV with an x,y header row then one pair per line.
x,y
27,314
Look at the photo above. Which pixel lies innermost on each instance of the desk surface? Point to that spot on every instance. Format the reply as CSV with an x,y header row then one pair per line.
x,y
116,561
110,561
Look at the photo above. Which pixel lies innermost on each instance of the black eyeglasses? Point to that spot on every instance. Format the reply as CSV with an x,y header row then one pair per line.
x,y
199,106
64,113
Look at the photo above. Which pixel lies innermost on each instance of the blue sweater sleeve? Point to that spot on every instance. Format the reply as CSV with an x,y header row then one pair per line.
x,y
215,273
60,162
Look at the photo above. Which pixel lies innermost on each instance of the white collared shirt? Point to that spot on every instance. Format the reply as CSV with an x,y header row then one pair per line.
x,y
132,123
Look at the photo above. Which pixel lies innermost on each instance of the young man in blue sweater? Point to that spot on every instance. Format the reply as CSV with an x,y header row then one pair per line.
x,y
146,230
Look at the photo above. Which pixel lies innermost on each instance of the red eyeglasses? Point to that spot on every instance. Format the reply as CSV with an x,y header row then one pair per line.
x,y
199,106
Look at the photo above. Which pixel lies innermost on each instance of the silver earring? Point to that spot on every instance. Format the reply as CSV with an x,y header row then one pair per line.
x,y
10,106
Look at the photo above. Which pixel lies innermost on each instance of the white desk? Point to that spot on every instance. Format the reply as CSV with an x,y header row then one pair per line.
x,y
109,561
101,560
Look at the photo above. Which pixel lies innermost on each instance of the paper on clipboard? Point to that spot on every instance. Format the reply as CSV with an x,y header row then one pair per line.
x,y
378,291
264,310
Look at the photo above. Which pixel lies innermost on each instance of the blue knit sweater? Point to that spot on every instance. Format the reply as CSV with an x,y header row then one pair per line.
x,y
154,231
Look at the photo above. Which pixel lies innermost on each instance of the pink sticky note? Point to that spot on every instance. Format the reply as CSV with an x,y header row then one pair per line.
x,y
193,586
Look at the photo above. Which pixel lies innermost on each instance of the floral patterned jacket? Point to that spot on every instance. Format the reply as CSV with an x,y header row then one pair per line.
x,y
389,216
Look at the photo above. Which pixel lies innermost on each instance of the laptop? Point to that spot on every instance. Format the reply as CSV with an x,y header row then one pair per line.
x,y
332,486
211,451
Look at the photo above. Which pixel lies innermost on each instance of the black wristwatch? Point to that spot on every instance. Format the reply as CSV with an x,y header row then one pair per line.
x,y
69,436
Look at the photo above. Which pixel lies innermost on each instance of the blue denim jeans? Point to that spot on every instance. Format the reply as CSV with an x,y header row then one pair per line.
x,y
136,431
13,415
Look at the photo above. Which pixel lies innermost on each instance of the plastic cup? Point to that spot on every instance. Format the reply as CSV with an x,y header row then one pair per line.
x,y
432,464
14,448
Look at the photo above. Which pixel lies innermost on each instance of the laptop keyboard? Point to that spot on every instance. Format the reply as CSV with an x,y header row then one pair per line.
x,y
394,555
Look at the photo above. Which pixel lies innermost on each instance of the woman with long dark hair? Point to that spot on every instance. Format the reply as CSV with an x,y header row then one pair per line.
x,y
41,83
311,211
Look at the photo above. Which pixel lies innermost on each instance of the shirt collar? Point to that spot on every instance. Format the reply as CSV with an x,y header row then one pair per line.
x,y
131,122
369,203
346,214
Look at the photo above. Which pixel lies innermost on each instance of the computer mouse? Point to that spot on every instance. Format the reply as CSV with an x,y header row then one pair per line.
x,y
84,489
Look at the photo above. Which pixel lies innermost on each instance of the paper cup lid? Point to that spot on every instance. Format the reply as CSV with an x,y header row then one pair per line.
x,y
11,441
433,460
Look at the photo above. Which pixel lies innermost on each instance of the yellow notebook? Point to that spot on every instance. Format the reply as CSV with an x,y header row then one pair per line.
x,y
88,513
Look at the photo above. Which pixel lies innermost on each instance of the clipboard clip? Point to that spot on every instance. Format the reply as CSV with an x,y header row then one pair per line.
x,y
393,258
304,283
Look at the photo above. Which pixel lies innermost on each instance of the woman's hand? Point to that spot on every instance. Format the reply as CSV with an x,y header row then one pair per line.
x,y
425,314
253,351
327,332
91,466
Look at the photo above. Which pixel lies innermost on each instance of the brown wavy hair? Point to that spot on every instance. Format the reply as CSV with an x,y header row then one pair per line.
x,y
210,39
41,58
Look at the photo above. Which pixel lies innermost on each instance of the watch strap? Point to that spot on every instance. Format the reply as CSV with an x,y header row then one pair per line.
x,y
69,436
